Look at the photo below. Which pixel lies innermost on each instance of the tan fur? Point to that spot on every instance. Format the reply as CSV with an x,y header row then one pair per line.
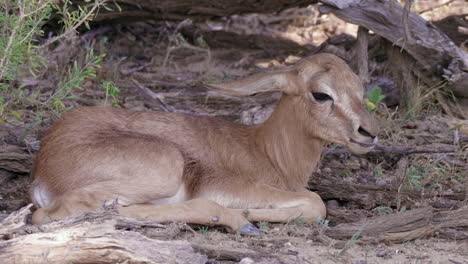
x,y
173,167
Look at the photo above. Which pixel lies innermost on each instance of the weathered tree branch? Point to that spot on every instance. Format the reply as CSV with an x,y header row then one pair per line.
x,y
391,151
15,159
403,226
195,9
434,52
370,196
15,221
232,254
361,58
89,238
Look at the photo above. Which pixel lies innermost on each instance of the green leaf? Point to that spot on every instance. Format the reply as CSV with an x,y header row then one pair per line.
x,y
375,95
373,98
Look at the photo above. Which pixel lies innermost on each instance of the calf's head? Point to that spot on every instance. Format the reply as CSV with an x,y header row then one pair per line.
x,y
327,98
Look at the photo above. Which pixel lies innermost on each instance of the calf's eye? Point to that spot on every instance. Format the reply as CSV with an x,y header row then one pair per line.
x,y
321,97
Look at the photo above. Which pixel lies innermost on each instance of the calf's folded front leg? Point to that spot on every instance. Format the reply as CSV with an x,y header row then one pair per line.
x,y
270,204
196,211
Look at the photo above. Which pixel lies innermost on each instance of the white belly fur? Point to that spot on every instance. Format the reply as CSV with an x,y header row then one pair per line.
x,y
41,196
179,197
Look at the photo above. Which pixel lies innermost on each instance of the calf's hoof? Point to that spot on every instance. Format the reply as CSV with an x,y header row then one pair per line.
x,y
248,230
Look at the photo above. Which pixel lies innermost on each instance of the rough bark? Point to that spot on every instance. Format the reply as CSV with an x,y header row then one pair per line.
x,y
402,68
230,40
99,243
231,254
452,26
90,238
361,58
195,9
201,101
369,196
15,159
14,222
436,55
397,152
405,226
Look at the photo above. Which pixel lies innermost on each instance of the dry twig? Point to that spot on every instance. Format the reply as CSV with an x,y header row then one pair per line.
x,y
396,150
435,7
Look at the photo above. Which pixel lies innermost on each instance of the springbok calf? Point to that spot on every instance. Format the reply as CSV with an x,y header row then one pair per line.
x,y
172,167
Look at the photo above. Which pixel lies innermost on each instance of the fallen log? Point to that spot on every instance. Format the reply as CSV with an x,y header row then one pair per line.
x,y
15,159
451,26
14,222
392,227
404,226
231,254
195,10
220,39
370,196
438,58
89,238
96,243
397,151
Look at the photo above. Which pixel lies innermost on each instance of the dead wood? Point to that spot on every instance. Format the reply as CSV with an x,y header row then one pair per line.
x,y
361,58
404,226
435,54
339,46
229,254
198,100
450,26
403,68
378,227
451,219
194,9
435,7
15,159
14,222
89,238
362,195
338,215
452,234
154,98
369,196
97,243
396,152
231,40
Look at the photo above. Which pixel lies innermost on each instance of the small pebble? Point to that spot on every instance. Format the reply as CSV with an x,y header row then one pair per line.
x,y
246,261
382,253
381,182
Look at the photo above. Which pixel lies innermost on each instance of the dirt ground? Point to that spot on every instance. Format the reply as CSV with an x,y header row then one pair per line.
x,y
163,65
294,247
